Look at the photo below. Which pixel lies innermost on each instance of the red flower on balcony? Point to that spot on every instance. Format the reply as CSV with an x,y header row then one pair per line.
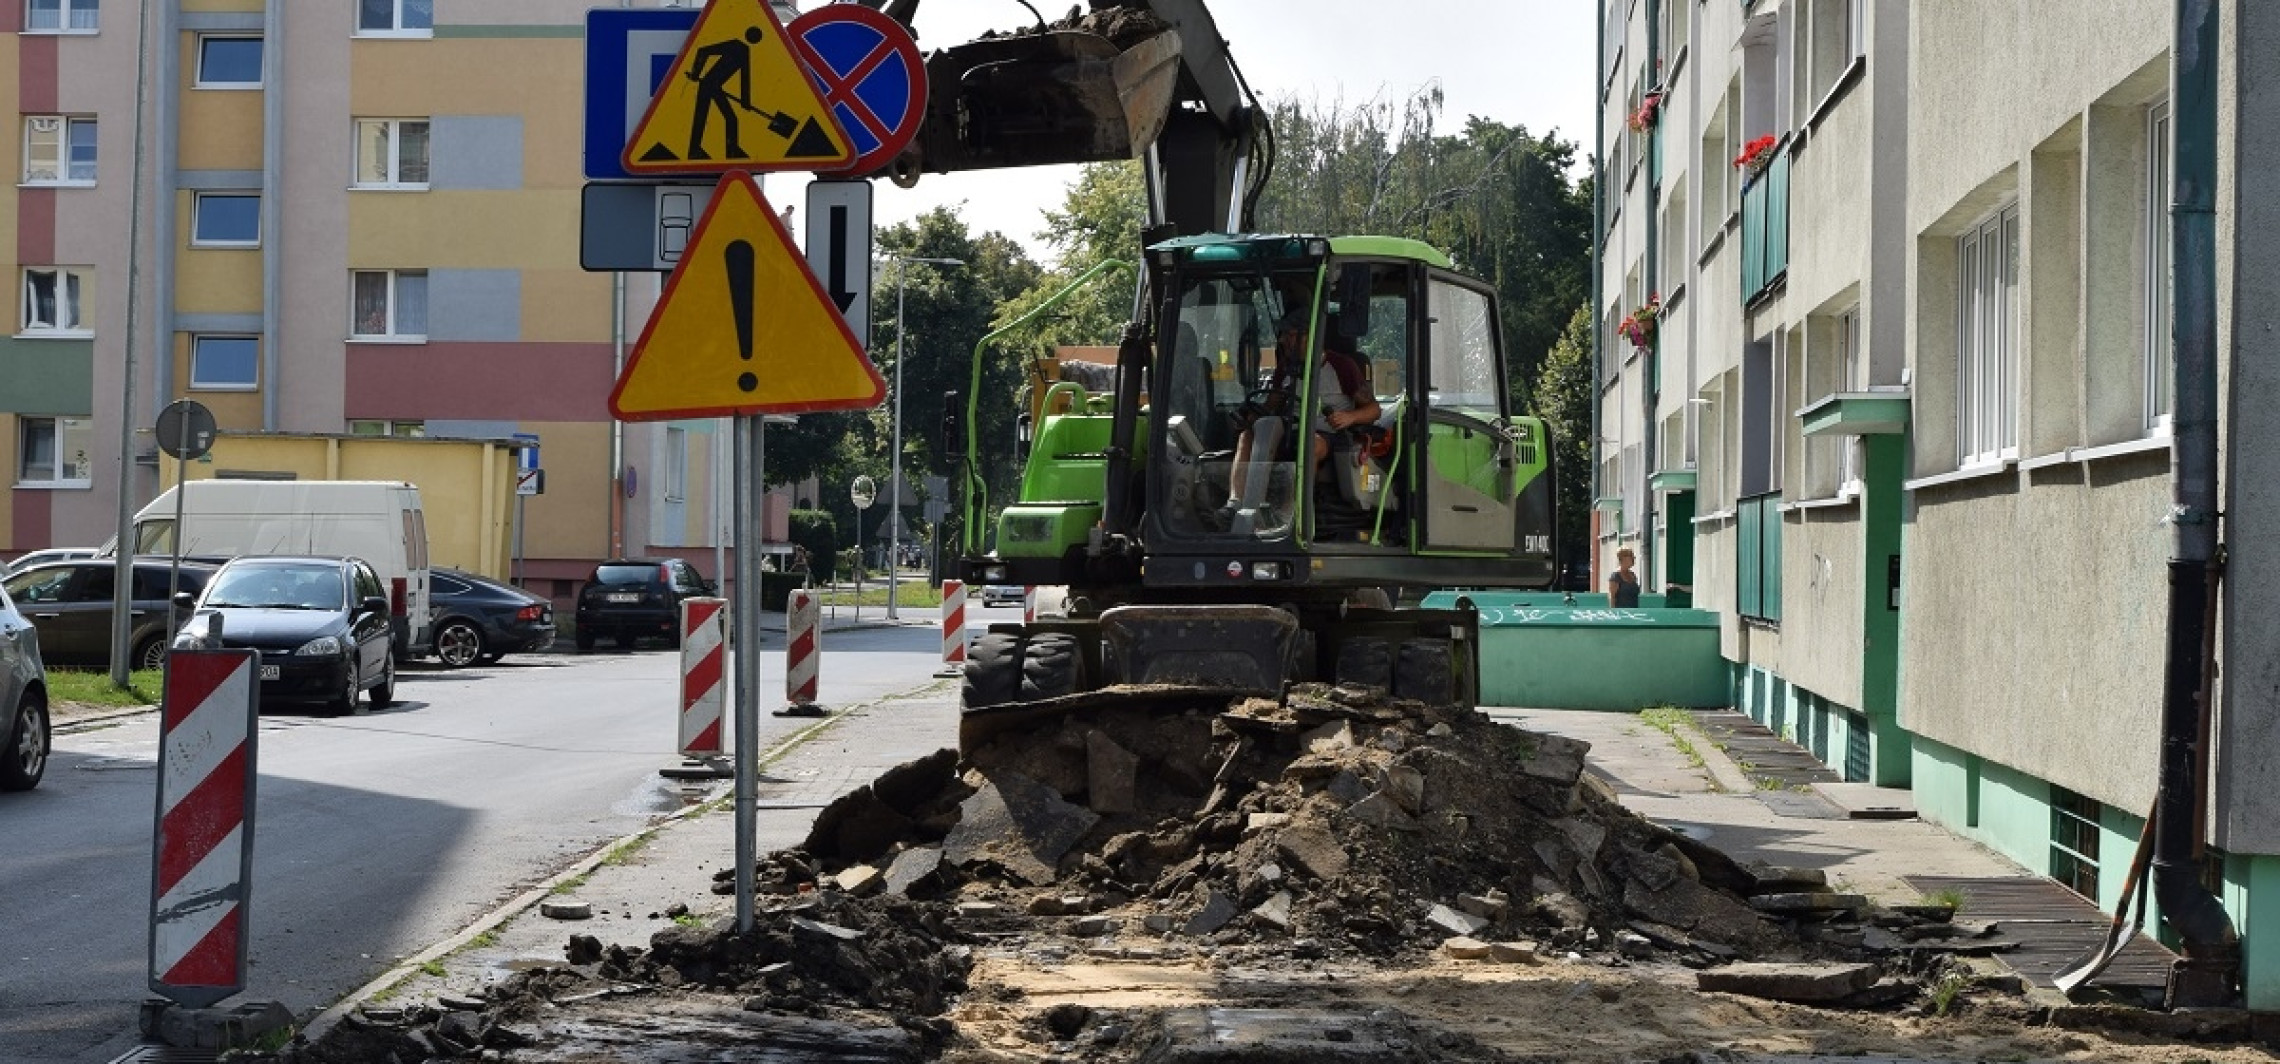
x,y
1639,327
1756,154
1650,108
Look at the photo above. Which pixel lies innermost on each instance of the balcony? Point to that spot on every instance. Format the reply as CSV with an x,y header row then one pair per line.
x,y
1765,227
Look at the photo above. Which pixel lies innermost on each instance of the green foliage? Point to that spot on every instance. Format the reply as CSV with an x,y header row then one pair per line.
x,y
818,532
1564,397
1498,200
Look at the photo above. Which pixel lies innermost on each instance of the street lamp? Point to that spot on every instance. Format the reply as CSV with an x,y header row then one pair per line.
x,y
894,472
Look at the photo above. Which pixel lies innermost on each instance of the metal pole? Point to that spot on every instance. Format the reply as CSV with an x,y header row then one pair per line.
x,y
123,556
745,617
894,459
2211,944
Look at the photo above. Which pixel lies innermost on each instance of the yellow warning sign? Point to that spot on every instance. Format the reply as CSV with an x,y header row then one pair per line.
x,y
743,328
736,98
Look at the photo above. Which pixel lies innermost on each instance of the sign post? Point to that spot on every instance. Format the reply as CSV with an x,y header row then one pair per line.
x,y
862,493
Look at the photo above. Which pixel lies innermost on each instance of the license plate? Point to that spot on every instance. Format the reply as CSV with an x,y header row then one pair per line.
x,y
625,596
269,672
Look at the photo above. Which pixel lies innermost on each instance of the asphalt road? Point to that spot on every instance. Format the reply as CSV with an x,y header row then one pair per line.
x,y
375,836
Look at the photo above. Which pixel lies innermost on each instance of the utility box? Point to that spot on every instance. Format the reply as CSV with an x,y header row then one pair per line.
x,y
467,485
1538,652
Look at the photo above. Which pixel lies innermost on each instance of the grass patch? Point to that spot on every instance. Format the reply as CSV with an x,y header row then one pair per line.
x,y
689,920
1945,992
913,593
273,1040
485,940
1948,896
624,852
96,688
1673,722
434,968
571,885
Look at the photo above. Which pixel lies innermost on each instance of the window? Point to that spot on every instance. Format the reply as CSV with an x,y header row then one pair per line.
x,y
225,362
227,219
1987,340
387,428
2160,340
1462,373
391,153
60,16
1763,421
1848,379
59,150
390,304
2074,842
229,63
55,300
409,18
676,464
53,452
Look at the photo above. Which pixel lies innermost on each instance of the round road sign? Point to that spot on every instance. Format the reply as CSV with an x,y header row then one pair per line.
x,y
186,429
870,74
863,493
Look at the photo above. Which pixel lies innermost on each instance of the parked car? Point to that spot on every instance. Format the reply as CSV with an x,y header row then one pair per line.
x,y
1002,594
25,738
627,598
480,619
70,603
42,557
321,624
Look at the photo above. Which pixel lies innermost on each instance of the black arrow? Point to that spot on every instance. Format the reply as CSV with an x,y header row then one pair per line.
x,y
836,264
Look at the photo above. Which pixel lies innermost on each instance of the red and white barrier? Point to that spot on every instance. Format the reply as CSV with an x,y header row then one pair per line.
x,y
704,686
953,629
201,879
803,653
1029,604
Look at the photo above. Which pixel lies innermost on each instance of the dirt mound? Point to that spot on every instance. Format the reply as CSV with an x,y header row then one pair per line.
x,y
825,951
1336,818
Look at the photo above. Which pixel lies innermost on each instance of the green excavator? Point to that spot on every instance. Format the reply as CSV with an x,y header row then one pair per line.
x,y
1204,545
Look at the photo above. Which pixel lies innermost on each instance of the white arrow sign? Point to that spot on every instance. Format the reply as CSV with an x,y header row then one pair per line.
x,y
839,248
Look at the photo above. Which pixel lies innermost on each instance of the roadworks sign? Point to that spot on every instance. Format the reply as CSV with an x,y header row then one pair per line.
x,y
737,98
743,327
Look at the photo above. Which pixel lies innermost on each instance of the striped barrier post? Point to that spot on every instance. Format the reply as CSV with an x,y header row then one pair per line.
x,y
953,629
202,868
704,690
1029,604
803,656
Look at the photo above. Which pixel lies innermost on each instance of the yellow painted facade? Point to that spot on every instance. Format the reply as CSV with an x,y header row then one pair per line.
x,y
461,230
565,305
572,519
221,128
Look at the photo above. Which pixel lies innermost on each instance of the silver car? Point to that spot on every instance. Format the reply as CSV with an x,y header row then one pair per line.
x,y
24,736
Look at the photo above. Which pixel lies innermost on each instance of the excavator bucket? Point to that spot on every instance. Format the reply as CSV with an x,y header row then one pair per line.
x,y
1036,99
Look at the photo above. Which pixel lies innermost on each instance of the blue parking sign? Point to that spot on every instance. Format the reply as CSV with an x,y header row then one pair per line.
x,y
628,51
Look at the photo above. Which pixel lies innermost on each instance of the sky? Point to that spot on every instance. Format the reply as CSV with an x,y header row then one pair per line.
x,y
1520,62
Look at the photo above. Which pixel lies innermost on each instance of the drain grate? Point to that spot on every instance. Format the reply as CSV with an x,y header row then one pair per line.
x,y
2054,927
166,1055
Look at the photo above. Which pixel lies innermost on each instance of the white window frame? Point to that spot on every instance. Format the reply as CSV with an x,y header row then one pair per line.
x,y
67,13
384,427
396,27
676,464
389,326
43,166
198,383
1848,380
2160,338
71,285
1987,340
201,81
393,179
60,432
198,216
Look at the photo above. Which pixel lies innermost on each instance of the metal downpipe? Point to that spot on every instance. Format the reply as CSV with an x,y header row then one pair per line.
x,y
2210,970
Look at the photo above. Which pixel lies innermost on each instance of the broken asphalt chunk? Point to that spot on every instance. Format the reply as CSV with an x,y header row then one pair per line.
x,y
1804,984
1019,825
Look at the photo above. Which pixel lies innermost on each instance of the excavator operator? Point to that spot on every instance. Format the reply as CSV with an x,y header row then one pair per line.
x,y
1342,397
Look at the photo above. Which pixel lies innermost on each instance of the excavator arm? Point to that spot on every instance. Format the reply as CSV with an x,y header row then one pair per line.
x,y
1131,79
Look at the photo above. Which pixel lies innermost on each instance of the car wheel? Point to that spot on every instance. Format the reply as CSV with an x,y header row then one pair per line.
x,y
345,704
150,653
24,760
458,644
384,692
585,640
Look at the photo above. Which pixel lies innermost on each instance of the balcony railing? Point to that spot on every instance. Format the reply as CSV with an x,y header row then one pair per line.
x,y
1765,226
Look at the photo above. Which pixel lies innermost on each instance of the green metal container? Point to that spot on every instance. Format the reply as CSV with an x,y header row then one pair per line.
x,y
1539,652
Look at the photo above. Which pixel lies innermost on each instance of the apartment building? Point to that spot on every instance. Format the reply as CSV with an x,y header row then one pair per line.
x,y
1885,367
387,243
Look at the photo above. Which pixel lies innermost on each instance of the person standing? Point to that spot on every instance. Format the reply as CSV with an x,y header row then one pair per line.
x,y
1623,584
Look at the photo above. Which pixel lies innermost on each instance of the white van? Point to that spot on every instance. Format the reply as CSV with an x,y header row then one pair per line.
x,y
379,521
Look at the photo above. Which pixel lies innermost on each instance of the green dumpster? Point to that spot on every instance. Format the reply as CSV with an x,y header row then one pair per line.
x,y
1539,652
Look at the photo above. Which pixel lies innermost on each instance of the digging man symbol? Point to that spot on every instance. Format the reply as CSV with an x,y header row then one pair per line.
x,y
711,68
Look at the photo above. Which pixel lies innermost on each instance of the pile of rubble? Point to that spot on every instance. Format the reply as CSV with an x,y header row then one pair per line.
x,y
1334,824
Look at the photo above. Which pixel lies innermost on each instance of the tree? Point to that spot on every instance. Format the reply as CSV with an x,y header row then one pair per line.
x,y
1565,392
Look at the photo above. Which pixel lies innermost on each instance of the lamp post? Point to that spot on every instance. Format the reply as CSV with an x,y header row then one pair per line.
x,y
894,471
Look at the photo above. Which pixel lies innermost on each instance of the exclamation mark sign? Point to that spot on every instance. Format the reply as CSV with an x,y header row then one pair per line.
x,y
738,257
